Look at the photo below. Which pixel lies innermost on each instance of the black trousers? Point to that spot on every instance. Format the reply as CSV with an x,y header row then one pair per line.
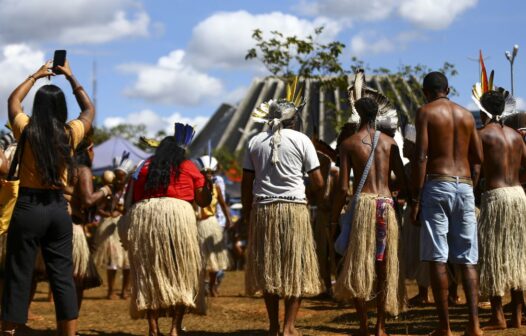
x,y
40,220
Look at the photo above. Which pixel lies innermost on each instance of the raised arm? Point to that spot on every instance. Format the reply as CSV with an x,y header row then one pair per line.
x,y
87,109
14,103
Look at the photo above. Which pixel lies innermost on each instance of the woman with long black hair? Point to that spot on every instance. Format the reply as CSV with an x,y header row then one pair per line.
x,y
40,218
161,238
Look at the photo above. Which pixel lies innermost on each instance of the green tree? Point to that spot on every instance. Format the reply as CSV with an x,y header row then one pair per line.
x,y
129,132
286,56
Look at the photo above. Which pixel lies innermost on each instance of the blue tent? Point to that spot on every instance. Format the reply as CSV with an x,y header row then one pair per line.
x,y
106,151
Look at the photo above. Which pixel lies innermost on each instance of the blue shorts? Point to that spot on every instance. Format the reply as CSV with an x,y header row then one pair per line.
x,y
449,223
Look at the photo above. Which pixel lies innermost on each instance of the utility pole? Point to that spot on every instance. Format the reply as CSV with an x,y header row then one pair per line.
x,y
94,90
511,57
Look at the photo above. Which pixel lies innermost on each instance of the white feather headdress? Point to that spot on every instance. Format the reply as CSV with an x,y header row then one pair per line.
x,y
387,116
275,112
485,85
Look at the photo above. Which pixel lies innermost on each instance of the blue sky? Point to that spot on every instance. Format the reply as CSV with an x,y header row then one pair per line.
x,y
159,61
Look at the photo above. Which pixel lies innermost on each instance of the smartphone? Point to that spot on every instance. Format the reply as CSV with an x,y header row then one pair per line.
x,y
59,58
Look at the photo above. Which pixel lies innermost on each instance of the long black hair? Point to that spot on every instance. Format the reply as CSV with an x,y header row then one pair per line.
x,y
50,135
167,159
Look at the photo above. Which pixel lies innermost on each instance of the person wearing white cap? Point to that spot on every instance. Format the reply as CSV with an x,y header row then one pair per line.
x,y
211,234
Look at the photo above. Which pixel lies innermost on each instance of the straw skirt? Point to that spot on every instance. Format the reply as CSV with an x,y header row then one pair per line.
x,y
281,257
164,255
213,248
502,241
358,275
81,252
109,251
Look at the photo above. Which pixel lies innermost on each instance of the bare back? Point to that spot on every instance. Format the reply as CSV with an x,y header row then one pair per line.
x,y
387,158
504,153
451,135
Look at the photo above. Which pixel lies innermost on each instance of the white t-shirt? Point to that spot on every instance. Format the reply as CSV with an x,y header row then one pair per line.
x,y
282,181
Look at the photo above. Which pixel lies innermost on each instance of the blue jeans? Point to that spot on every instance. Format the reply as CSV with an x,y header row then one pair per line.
x,y
449,223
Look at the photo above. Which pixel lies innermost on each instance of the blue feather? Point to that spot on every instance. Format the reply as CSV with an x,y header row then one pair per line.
x,y
189,135
179,133
183,134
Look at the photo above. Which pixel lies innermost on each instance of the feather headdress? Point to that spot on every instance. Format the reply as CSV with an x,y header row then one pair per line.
x,y
486,85
387,116
152,143
123,163
183,134
274,113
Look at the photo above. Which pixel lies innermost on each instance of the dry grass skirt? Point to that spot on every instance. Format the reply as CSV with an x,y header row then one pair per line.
x,y
281,257
109,251
357,278
164,255
81,252
213,248
502,241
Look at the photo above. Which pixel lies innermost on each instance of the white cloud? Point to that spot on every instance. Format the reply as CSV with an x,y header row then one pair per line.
x,y
222,40
172,81
155,122
119,27
432,14
349,9
17,61
371,43
72,21
427,14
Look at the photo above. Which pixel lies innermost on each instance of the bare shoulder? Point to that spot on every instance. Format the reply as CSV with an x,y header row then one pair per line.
x,y
512,134
465,113
349,143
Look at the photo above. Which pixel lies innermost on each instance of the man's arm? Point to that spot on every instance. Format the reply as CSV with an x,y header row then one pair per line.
x,y
247,185
317,183
522,175
224,206
476,154
397,166
421,149
342,187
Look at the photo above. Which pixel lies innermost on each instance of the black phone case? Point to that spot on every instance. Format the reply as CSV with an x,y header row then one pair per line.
x,y
59,58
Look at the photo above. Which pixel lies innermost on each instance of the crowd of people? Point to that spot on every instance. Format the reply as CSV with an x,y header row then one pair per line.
x,y
350,224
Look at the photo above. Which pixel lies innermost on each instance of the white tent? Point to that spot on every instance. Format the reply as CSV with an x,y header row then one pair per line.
x,y
115,146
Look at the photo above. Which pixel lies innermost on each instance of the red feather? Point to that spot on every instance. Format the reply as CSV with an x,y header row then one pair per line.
x,y
483,74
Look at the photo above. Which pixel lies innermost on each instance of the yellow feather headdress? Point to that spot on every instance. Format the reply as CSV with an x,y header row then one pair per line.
x,y
281,109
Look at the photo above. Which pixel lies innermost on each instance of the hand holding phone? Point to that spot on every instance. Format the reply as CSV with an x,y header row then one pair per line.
x,y
60,63
59,58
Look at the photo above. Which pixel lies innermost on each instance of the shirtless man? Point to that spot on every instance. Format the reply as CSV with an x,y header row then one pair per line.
x,y
373,212
448,150
502,231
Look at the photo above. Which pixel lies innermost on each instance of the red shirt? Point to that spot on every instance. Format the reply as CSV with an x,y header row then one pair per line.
x,y
183,187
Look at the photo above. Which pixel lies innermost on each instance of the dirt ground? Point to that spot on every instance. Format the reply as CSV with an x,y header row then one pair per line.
x,y
235,314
